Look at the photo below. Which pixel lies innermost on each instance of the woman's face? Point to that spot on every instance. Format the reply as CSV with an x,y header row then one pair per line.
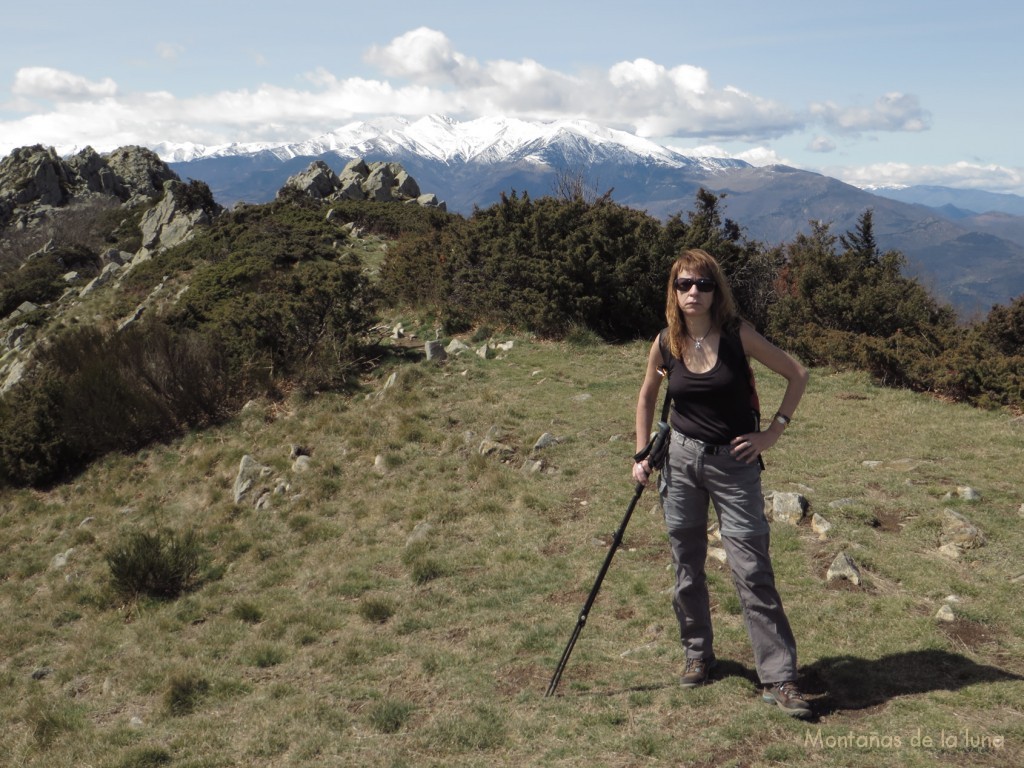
x,y
692,301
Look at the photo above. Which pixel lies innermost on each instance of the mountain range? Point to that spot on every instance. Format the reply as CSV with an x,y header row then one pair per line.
x,y
966,246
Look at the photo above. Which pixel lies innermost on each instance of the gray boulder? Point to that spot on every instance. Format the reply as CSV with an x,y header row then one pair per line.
x,y
317,181
35,181
843,567
786,507
250,474
380,182
173,220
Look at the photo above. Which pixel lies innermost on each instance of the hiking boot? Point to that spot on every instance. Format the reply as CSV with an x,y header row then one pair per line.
x,y
696,672
788,698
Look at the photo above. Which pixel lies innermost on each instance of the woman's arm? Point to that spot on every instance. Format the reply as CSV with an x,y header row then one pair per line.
x,y
749,447
645,405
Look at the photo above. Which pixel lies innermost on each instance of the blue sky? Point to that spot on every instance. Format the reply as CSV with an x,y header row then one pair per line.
x,y
894,92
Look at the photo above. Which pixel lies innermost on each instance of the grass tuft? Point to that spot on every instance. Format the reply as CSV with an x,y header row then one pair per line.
x,y
184,693
390,716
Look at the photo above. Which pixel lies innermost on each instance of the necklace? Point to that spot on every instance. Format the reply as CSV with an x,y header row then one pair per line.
x,y
697,342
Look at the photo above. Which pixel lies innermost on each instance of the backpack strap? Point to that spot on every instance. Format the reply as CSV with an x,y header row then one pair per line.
x,y
665,355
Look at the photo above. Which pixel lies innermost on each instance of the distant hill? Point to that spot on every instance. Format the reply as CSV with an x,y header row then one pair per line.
x,y
967,246
973,200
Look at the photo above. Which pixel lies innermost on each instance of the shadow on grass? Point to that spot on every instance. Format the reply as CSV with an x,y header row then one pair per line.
x,y
850,683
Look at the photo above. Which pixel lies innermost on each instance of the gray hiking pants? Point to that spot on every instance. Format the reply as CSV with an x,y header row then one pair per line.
x,y
690,479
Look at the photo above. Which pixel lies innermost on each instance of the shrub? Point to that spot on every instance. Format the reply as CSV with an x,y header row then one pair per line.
x,y
93,392
542,266
1003,329
33,446
38,281
276,293
160,564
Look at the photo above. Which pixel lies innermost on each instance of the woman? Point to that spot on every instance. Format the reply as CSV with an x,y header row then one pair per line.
x,y
715,456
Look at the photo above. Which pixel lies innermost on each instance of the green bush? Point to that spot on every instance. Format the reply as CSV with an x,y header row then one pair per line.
x,y
543,266
33,446
275,290
1003,329
93,392
853,308
38,282
555,265
161,564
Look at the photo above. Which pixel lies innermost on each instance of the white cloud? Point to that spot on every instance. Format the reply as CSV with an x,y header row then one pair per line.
x,y
962,175
654,100
891,112
424,74
423,55
58,85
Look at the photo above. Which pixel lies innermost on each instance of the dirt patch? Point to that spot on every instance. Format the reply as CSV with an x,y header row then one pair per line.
x,y
514,680
556,548
887,522
574,508
971,635
571,597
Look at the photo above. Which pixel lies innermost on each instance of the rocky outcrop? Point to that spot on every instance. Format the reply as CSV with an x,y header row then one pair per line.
x,y
173,220
35,180
141,171
359,180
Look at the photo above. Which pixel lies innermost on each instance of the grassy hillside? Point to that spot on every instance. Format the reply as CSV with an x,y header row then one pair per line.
x,y
404,600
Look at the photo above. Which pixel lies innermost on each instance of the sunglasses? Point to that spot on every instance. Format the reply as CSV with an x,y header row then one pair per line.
x,y
704,284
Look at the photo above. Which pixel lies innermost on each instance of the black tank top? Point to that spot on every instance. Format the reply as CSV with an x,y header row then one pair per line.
x,y
715,406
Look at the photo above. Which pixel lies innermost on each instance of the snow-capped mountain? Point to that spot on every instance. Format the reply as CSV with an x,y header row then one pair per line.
x,y
485,140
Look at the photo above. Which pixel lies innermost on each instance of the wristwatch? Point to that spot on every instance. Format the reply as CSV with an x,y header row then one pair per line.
x,y
782,419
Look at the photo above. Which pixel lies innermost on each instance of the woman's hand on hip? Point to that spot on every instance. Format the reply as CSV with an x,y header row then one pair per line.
x,y
747,448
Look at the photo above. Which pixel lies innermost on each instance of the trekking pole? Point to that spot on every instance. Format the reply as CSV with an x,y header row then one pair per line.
x,y
655,453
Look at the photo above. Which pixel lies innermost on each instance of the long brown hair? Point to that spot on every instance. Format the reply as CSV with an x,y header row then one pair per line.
x,y
724,314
